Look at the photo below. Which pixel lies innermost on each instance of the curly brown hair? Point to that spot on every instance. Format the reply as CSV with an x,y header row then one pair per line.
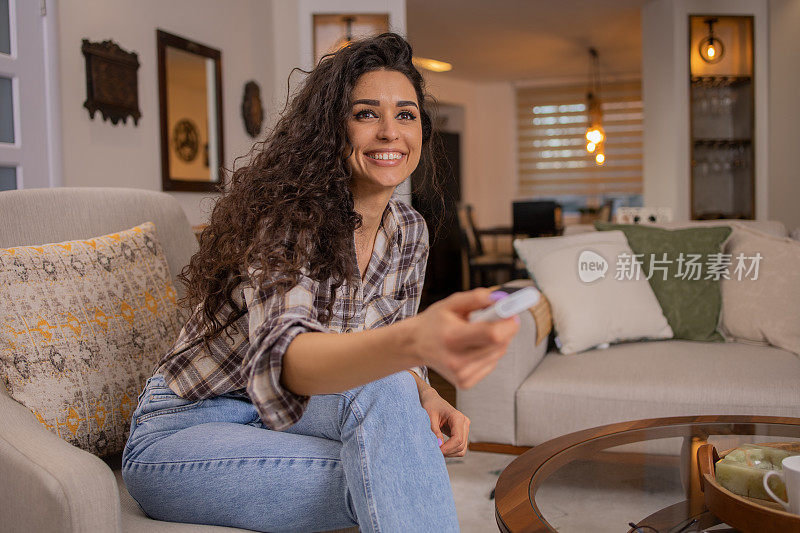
x,y
290,209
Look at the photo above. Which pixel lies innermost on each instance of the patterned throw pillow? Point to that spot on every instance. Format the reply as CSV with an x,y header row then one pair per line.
x,y
82,325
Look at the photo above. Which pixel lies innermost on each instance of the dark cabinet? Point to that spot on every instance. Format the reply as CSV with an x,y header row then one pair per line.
x,y
722,117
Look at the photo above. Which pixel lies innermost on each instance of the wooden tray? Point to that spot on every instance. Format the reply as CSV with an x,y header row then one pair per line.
x,y
749,515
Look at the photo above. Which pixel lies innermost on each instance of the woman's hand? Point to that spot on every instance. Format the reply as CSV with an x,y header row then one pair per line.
x,y
462,352
446,420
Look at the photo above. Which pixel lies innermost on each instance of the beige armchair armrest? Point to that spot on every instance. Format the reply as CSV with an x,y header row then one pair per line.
x,y
491,404
48,485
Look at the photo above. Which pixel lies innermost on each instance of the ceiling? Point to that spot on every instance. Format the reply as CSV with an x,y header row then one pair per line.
x,y
513,40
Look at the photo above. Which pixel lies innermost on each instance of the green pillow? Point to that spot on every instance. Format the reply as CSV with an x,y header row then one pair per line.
x,y
689,295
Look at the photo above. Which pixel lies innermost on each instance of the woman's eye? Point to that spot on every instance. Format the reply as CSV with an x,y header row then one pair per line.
x,y
366,113
407,115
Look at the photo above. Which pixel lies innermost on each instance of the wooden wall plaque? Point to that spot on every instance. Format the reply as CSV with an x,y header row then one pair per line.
x,y
111,81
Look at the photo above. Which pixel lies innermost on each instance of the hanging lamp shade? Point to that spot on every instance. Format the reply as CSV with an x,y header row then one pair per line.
x,y
711,48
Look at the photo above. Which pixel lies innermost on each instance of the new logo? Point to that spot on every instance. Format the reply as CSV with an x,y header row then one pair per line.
x,y
591,266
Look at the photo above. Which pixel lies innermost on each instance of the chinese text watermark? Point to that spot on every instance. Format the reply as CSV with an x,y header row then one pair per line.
x,y
592,266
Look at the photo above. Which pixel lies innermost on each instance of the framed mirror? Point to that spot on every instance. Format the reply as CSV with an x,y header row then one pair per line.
x,y
190,105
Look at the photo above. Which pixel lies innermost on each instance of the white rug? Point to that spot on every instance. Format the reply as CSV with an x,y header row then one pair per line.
x,y
582,497
473,478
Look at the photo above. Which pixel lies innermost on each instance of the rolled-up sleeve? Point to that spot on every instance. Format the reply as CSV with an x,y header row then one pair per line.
x,y
274,322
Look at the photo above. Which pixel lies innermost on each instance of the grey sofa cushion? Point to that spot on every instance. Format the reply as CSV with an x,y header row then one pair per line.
x,y
39,216
640,380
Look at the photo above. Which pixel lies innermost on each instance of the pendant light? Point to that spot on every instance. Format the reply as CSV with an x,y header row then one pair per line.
x,y
595,134
711,48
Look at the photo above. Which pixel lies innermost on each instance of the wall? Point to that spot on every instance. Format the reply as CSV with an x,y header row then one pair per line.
x,y
784,113
259,39
97,153
488,144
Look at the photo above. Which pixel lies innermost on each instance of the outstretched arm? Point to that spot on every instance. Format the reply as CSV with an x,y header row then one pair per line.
x,y
440,337
324,363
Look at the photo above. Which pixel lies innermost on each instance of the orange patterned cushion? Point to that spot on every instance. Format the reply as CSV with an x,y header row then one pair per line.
x,y
82,324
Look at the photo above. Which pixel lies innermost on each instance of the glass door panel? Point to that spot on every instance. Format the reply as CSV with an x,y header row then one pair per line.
x,y
5,28
6,110
8,178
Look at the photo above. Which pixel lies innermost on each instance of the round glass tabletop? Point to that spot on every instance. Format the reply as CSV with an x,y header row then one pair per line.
x,y
642,472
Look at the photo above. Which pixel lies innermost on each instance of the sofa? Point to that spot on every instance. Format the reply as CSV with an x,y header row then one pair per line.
x,y
535,394
47,484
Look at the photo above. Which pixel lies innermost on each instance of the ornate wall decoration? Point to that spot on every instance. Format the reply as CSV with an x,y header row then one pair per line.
x,y
185,140
111,81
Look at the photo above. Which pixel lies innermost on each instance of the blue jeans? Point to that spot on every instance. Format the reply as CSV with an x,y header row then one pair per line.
x,y
365,457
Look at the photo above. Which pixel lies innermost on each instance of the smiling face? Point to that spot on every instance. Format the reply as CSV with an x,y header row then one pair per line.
x,y
384,130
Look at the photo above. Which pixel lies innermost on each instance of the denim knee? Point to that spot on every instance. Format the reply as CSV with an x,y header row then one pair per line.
x,y
394,395
400,386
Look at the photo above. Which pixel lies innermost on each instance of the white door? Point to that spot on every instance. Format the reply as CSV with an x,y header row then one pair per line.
x,y
29,147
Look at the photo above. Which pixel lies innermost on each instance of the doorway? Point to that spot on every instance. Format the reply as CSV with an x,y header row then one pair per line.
x,y
444,270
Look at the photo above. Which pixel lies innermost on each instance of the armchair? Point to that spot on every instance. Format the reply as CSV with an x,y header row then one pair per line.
x,y
46,484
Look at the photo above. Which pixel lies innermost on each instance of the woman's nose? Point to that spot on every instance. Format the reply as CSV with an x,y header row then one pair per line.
x,y
388,129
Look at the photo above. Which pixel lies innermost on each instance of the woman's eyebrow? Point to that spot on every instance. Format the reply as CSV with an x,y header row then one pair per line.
x,y
376,103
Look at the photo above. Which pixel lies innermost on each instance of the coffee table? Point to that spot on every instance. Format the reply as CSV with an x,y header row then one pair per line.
x,y
582,482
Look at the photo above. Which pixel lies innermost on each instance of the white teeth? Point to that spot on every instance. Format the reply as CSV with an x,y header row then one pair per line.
x,y
386,155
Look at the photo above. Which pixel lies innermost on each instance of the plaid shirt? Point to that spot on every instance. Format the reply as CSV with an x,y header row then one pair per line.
x,y
248,362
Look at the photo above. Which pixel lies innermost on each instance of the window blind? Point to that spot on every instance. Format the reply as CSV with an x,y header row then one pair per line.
x,y
552,156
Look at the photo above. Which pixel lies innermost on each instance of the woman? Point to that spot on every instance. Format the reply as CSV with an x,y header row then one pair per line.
x,y
287,403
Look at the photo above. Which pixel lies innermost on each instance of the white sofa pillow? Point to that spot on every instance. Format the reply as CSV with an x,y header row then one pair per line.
x,y
590,306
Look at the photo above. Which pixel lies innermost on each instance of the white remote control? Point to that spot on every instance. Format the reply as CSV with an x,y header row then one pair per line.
x,y
507,306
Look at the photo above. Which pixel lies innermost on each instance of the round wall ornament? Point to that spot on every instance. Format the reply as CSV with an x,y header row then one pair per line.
x,y
185,139
252,110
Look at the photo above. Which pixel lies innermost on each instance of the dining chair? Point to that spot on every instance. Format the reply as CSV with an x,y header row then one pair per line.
x,y
480,265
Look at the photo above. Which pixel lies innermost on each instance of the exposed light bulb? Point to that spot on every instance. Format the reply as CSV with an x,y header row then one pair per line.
x,y
711,48
591,147
600,159
594,135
